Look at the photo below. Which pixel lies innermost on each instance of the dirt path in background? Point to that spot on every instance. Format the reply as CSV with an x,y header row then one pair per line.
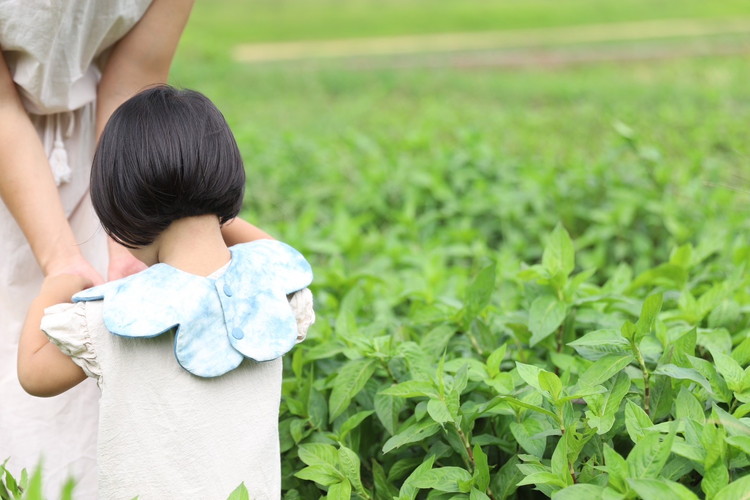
x,y
526,47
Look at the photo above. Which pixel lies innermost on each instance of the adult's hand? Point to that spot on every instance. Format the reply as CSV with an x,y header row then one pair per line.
x,y
121,262
75,265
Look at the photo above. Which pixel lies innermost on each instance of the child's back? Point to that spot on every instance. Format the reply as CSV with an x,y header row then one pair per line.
x,y
187,352
163,431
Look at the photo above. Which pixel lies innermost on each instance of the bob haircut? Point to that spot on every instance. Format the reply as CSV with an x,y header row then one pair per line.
x,y
164,154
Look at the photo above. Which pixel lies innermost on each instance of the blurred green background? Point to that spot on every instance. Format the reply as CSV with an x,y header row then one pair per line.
x,y
467,149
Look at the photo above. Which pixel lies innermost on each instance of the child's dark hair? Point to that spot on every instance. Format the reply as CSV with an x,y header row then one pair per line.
x,y
165,154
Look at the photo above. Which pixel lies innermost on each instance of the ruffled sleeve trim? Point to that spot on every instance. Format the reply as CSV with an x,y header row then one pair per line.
x,y
65,325
302,306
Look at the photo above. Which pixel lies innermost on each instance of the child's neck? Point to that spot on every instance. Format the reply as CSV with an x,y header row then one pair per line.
x,y
194,245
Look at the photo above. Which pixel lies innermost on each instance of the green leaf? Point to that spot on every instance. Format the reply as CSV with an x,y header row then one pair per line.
x,y
346,321
352,423
651,308
538,478
550,383
545,315
461,379
667,275
733,426
494,360
298,429
443,479
636,422
628,330
502,383
349,381
317,454
688,406
529,374
725,314
412,389
317,409
67,490
715,473
504,482
737,490
682,256
350,466
731,371
677,350
599,343
742,443
718,388
4,494
475,494
34,490
9,480
480,290
604,406
481,469
340,491
558,255
408,488
580,491
741,353
604,369
384,490
678,372
648,456
517,403
412,434
526,433
662,397
438,411
661,489
324,475
617,468
559,462
240,493
387,409
436,340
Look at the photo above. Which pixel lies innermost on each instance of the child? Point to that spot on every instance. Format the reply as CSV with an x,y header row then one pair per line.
x,y
183,413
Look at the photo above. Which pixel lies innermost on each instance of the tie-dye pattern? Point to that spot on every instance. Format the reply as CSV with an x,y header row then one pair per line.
x,y
243,313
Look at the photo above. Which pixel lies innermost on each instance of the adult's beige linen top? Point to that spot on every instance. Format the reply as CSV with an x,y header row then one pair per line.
x,y
54,50
51,47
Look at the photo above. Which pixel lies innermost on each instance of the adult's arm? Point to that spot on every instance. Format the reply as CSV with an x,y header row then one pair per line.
x,y
140,59
28,189
240,231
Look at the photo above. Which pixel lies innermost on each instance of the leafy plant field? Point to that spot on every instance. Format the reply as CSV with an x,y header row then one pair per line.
x,y
529,283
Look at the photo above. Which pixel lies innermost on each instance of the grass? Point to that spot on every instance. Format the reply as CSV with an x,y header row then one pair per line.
x,y
306,132
216,27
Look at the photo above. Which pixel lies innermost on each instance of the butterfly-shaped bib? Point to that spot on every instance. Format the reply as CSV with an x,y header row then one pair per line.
x,y
243,313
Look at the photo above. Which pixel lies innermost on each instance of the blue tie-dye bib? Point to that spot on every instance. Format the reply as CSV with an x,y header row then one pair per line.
x,y
243,313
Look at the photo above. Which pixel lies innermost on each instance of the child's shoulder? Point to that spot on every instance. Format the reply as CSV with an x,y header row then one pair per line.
x,y
249,300
275,260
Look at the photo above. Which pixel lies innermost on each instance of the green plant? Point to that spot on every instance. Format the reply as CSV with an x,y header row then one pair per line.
x,y
629,388
28,488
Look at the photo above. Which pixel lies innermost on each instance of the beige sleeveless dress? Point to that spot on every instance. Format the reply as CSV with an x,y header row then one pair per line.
x,y
52,48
